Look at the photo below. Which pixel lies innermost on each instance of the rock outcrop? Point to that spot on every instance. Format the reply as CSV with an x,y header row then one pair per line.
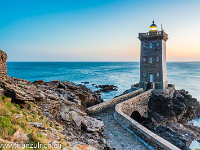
x,y
107,88
23,90
168,117
62,102
3,67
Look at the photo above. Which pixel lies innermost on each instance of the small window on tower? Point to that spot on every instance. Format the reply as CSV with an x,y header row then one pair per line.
x,y
144,73
157,74
150,45
144,44
157,58
150,59
157,44
144,59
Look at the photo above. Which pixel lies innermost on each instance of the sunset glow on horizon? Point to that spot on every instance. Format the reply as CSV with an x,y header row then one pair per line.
x,y
96,30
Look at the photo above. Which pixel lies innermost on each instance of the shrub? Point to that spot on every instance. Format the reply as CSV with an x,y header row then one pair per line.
x,y
6,127
18,107
4,98
9,105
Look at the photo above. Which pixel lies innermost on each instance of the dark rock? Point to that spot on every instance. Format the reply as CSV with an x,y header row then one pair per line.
x,y
107,88
69,85
161,105
85,82
52,84
169,116
61,85
39,82
88,97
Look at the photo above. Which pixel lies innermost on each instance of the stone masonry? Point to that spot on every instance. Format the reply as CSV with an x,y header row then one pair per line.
x,y
139,103
3,66
153,72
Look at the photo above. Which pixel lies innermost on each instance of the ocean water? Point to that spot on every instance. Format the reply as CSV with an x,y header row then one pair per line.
x,y
185,75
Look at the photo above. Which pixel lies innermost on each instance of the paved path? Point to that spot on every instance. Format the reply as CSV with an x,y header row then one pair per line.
x,y
117,136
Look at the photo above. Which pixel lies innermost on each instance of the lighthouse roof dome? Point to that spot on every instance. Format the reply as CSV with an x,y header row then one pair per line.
x,y
153,26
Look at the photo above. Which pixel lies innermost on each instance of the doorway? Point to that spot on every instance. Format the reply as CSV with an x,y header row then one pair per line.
x,y
151,77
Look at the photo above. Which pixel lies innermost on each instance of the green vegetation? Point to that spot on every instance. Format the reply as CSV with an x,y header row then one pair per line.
x,y
13,119
9,105
6,127
18,107
3,98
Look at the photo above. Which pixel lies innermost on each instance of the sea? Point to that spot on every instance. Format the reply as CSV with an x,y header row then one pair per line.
x,y
185,75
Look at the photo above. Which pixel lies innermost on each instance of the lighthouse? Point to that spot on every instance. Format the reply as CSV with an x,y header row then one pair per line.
x,y
153,70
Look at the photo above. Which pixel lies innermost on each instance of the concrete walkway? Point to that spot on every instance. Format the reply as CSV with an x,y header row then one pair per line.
x,y
119,137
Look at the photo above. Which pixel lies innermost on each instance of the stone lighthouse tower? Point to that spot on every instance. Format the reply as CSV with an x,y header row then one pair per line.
x,y
153,71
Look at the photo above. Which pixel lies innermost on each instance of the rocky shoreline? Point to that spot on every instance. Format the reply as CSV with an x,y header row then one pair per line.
x,y
64,104
169,117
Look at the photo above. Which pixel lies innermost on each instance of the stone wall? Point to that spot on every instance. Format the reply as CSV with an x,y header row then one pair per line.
x,y
168,91
111,103
138,103
122,113
3,66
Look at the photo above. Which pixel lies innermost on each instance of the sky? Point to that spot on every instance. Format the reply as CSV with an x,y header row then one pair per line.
x,y
96,30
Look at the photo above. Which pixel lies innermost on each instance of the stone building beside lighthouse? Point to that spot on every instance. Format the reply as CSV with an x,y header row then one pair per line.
x,y
3,66
153,71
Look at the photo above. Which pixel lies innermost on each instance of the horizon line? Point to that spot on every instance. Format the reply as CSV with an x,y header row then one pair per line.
x,y
91,61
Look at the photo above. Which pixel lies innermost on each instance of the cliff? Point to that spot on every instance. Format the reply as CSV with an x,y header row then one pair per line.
x,y
46,112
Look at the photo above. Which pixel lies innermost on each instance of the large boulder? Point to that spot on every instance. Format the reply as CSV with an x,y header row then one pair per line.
x,y
52,84
76,118
87,96
19,89
69,85
64,113
92,124
39,82
86,122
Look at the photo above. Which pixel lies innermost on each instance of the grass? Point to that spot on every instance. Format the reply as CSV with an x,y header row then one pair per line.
x,y
9,124
6,127
9,105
